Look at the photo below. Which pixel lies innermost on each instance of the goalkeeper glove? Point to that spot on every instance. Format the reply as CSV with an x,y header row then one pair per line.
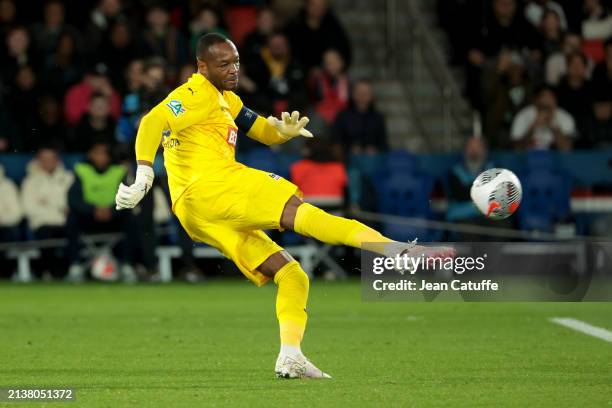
x,y
290,126
130,196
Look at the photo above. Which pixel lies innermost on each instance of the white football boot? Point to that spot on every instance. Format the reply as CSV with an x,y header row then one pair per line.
x,y
297,366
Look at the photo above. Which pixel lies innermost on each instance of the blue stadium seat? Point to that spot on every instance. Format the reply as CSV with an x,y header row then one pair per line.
x,y
262,159
401,161
366,164
15,165
546,199
541,160
406,196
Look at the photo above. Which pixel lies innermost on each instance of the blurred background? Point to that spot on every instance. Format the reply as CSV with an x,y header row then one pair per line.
x,y
409,100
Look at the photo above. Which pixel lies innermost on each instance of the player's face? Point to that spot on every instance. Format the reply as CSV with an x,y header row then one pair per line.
x,y
222,66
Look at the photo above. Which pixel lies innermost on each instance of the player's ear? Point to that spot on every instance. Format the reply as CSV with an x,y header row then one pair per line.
x,y
202,68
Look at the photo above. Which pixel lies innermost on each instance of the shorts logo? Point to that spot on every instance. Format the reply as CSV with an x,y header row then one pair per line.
x,y
274,176
176,107
232,136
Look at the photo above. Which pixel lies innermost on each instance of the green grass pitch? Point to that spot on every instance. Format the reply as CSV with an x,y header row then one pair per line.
x,y
216,344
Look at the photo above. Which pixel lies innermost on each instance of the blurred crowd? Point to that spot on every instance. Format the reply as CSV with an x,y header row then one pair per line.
x,y
75,73
539,71
77,77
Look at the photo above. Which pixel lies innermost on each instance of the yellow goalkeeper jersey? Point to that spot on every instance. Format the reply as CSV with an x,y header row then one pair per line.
x,y
198,126
201,135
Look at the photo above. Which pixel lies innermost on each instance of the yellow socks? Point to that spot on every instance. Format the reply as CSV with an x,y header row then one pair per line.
x,y
313,222
291,301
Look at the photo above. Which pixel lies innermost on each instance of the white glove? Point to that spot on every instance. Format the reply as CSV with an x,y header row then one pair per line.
x,y
130,196
290,126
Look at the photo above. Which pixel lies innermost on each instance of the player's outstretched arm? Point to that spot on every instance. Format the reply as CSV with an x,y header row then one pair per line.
x,y
147,142
272,130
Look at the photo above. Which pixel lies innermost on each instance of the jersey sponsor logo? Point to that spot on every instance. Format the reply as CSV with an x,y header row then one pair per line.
x,y
176,107
168,142
232,136
274,176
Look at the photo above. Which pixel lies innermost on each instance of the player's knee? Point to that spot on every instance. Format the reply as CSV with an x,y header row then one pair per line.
x,y
275,263
289,213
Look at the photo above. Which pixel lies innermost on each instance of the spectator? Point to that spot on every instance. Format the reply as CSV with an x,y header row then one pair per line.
x,y
154,88
130,108
319,175
91,200
536,9
164,40
315,30
360,128
596,20
330,86
186,71
507,90
151,91
459,181
46,35
102,18
23,99
11,212
599,128
574,92
7,137
556,63
542,125
78,96
206,21
551,33
44,194
133,75
19,53
96,127
278,77
602,74
508,30
63,68
8,16
49,129
117,51
258,38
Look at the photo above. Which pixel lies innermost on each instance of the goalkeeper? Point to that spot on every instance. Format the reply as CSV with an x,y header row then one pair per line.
x,y
227,205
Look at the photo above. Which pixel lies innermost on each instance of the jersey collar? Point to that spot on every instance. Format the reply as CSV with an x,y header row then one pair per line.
x,y
200,80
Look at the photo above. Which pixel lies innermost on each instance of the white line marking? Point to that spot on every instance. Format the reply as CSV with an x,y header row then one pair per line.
x,y
583,327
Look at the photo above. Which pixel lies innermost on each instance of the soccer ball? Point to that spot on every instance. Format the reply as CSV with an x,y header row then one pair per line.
x,y
497,193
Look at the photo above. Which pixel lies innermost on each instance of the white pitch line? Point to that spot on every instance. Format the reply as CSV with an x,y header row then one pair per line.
x,y
583,327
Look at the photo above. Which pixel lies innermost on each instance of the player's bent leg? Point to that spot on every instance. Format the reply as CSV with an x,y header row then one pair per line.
x,y
311,221
291,299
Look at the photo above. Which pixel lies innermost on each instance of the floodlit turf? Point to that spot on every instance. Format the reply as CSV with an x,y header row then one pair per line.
x,y
216,344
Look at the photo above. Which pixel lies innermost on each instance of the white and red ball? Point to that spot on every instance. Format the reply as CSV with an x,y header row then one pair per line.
x,y
497,193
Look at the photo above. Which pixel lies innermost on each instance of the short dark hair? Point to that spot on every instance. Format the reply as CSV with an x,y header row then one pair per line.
x,y
206,41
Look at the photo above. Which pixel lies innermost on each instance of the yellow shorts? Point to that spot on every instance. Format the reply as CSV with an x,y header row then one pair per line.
x,y
230,215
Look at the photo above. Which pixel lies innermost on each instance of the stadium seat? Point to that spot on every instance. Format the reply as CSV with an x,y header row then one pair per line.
x,y
262,159
15,165
541,160
405,196
546,199
401,161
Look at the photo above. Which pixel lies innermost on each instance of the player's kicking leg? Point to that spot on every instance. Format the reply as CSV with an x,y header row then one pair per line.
x,y
291,301
311,221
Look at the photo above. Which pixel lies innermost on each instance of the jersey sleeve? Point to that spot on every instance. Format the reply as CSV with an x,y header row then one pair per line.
x,y
250,123
184,108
